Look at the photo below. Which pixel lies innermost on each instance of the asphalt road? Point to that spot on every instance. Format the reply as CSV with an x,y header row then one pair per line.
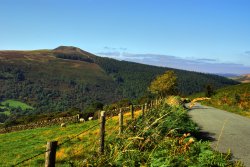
x,y
226,131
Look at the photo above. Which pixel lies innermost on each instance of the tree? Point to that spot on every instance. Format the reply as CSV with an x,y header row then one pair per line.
x,y
209,91
164,84
20,76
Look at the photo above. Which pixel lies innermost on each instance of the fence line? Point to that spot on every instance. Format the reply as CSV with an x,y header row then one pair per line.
x,y
58,145
78,134
144,107
29,158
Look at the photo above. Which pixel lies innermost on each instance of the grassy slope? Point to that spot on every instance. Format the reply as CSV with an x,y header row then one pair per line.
x,y
226,99
16,104
163,144
43,64
17,146
55,79
243,78
13,104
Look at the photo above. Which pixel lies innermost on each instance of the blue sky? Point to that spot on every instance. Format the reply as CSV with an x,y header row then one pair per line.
x,y
211,35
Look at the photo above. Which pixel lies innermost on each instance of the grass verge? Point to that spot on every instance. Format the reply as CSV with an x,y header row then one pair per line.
x,y
159,138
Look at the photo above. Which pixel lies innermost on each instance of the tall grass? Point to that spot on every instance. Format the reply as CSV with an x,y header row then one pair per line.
x,y
234,99
159,138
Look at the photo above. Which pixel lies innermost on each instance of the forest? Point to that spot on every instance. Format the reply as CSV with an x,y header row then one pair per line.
x,y
53,81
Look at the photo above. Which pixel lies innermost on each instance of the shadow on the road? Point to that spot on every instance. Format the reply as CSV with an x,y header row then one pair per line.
x,y
204,136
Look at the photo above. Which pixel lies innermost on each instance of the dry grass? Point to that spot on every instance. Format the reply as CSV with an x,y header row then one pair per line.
x,y
90,139
196,100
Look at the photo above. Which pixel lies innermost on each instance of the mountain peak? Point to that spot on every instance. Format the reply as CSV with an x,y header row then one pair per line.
x,y
68,49
72,50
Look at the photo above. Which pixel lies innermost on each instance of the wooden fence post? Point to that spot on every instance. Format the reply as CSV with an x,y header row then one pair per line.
x,y
50,155
121,122
132,111
142,109
99,113
77,117
146,107
102,132
113,112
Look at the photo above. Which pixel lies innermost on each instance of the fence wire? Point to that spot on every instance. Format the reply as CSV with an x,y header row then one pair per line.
x,y
21,162
116,130
25,160
77,135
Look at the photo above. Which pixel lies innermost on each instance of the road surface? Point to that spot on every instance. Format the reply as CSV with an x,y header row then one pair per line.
x,y
226,131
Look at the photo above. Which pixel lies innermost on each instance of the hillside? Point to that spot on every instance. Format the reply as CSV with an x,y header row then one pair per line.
x,y
68,78
134,78
161,137
243,78
48,83
232,98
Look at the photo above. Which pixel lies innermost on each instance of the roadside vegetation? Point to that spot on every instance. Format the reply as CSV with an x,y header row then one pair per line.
x,y
234,99
162,137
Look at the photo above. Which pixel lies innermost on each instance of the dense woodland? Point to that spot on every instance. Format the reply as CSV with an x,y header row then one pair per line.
x,y
52,82
134,78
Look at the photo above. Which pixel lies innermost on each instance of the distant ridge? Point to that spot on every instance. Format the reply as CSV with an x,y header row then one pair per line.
x,y
228,75
243,78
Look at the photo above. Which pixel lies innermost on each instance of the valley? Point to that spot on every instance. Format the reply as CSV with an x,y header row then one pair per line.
x,y
45,88
94,83
68,79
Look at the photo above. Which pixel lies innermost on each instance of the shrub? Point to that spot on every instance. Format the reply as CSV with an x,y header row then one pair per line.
x,y
160,138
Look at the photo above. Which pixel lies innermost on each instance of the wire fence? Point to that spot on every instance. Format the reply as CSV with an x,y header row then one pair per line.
x,y
66,141
116,130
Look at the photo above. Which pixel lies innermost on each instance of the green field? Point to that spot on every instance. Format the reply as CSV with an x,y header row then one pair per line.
x,y
7,112
16,104
17,146
159,138
8,106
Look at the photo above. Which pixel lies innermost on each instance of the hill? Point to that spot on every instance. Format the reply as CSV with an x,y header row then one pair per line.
x,y
231,98
228,75
243,78
134,78
70,79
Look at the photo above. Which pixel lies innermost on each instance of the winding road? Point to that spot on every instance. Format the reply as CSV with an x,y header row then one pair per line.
x,y
225,130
